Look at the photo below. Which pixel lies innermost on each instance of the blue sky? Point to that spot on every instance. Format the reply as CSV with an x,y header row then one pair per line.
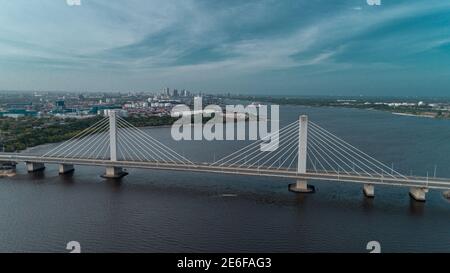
x,y
301,47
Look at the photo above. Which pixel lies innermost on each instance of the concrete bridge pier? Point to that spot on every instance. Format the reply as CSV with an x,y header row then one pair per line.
x,y
114,173
35,167
369,190
301,187
418,194
66,168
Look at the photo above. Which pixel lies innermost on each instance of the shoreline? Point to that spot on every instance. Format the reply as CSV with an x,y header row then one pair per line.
x,y
373,109
413,115
423,114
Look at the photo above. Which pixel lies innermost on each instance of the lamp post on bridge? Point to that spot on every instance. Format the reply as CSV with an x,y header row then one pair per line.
x,y
301,186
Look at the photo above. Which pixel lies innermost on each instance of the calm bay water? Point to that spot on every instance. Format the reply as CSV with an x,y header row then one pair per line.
x,y
160,211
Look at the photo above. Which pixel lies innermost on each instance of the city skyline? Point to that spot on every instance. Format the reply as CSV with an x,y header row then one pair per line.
x,y
256,47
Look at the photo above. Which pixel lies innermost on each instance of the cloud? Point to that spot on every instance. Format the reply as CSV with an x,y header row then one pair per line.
x,y
221,40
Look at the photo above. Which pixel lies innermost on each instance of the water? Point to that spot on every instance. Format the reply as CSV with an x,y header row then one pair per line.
x,y
160,211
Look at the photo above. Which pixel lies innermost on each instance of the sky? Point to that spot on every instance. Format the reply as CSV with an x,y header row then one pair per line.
x,y
265,47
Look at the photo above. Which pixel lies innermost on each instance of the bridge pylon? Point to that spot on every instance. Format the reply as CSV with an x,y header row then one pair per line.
x,y
301,186
113,172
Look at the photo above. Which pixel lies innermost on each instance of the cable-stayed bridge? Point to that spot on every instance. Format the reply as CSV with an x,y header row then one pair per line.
x,y
302,151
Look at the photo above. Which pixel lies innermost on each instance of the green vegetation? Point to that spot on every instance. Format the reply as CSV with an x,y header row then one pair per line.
x,y
22,133
151,121
19,134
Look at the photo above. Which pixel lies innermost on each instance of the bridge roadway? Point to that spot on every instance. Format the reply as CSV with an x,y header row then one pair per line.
x,y
409,181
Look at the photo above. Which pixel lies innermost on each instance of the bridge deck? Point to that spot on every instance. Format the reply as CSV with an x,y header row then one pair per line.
x,y
406,181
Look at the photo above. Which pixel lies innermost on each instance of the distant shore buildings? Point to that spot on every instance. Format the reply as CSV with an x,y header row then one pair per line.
x,y
84,105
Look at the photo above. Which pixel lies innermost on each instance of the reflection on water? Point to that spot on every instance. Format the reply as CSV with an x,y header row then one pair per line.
x,y
367,203
416,208
68,179
37,176
167,211
114,184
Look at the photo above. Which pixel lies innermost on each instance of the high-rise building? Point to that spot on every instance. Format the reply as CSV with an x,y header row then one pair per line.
x,y
167,91
186,93
60,104
175,93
